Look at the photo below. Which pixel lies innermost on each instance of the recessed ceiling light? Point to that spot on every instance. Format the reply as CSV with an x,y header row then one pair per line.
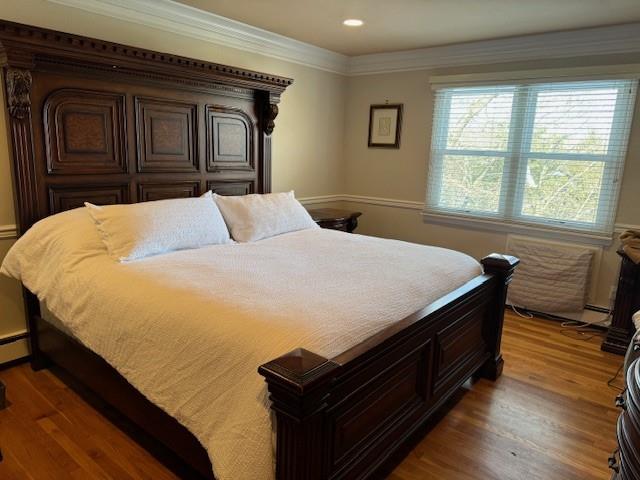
x,y
353,22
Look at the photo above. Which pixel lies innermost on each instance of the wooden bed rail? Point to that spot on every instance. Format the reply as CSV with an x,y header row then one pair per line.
x,y
307,389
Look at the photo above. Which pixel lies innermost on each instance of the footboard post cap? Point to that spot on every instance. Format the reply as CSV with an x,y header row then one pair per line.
x,y
298,381
299,370
499,263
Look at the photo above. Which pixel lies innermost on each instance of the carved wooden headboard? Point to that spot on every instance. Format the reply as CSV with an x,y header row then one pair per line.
x,y
96,121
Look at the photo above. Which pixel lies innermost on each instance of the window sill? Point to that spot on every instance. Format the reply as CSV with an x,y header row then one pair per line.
x,y
516,228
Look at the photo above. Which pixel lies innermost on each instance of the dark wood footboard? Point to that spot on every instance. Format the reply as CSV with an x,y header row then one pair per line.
x,y
346,416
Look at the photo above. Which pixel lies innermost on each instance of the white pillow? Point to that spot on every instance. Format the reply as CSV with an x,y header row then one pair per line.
x,y
65,239
253,217
138,230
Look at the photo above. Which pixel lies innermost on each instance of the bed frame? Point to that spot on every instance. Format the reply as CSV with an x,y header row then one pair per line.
x,y
90,120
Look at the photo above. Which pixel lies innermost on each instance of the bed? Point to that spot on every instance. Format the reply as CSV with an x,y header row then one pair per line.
x,y
95,121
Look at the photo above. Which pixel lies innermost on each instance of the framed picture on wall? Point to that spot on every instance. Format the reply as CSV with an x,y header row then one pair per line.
x,y
385,122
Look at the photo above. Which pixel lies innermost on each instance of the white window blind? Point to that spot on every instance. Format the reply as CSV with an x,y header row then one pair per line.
x,y
548,154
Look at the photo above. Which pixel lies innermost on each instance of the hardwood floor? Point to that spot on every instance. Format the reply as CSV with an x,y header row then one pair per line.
x,y
549,417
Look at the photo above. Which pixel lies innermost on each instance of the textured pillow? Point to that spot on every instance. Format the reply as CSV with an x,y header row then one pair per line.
x,y
253,217
66,238
135,231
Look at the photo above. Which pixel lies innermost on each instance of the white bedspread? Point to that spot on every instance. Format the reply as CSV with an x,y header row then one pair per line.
x,y
189,329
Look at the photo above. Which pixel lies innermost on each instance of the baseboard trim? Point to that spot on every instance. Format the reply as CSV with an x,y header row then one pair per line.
x,y
15,351
15,362
597,308
560,318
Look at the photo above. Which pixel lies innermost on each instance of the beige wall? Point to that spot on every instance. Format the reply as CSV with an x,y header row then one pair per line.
x,y
401,174
320,140
307,141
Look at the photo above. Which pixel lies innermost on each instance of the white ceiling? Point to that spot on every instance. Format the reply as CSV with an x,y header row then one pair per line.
x,y
392,25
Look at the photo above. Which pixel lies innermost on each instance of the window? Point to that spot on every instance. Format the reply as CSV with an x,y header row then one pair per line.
x,y
547,154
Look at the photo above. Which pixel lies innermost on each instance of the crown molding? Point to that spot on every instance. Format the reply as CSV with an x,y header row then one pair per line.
x,y
181,19
605,72
575,43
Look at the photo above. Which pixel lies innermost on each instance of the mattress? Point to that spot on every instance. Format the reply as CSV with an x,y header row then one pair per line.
x,y
50,318
189,329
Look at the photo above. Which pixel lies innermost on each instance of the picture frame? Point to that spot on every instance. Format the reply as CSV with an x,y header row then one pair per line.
x,y
385,125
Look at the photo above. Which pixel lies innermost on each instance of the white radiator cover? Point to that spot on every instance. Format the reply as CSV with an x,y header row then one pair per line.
x,y
553,277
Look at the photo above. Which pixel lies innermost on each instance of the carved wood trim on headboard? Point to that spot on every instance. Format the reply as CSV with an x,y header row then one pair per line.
x,y
91,120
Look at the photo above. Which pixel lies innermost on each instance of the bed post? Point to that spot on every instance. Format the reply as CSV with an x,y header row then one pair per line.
x,y
32,310
299,384
502,268
16,72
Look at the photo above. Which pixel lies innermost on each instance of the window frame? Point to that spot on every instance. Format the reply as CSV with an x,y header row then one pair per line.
x,y
516,156
435,186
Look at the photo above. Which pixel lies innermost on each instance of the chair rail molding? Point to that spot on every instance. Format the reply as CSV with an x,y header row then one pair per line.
x,y
188,21
413,205
8,232
385,202
621,227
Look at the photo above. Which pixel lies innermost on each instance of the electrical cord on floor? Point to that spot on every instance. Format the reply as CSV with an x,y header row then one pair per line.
x,y
520,314
613,379
571,328
584,336
577,326
582,330
574,329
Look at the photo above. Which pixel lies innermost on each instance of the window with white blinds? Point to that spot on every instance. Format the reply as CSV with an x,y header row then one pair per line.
x,y
547,154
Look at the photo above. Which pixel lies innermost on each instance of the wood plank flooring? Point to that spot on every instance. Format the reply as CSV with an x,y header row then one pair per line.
x,y
549,417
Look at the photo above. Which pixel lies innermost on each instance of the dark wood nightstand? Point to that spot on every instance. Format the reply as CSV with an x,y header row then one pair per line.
x,y
627,303
335,219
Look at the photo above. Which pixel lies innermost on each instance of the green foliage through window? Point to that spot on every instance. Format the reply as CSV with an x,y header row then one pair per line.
x,y
543,153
